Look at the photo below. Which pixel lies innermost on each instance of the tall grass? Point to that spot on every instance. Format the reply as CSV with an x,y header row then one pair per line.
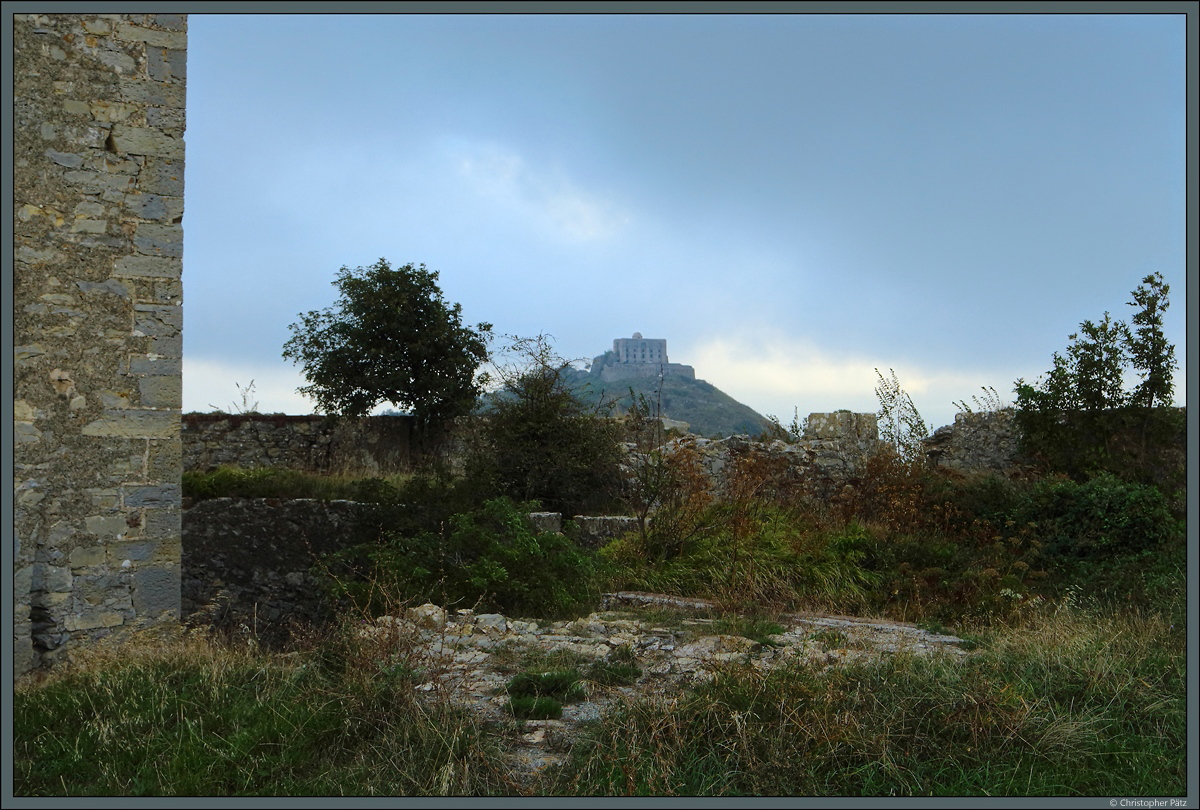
x,y
195,719
1071,704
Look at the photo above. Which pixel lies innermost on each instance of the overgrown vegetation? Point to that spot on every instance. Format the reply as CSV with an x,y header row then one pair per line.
x,y
1080,420
490,557
536,440
1068,580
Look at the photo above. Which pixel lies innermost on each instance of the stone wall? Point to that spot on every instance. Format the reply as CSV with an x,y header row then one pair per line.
x,y
377,445
983,442
98,196
832,450
247,561
635,371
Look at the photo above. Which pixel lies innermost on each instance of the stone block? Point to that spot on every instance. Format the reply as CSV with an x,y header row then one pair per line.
x,y
23,581
156,590
158,39
104,526
90,619
135,552
167,347
162,176
154,206
161,391
155,94
145,141
118,61
64,159
25,432
50,578
159,240
164,495
156,365
113,111
166,64
89,226
109,287
172,22
151,266
166,117
546,521
89,556
98,182
158,320
134,424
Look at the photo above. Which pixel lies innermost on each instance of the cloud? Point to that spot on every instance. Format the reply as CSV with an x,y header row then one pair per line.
x,y
545,197
776,374
215,383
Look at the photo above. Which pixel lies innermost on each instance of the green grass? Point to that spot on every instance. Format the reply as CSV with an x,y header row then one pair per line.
x,y
528,707
562,685
280,482
1070,704
200,720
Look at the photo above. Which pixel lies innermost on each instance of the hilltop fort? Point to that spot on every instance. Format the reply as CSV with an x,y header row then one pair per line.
x,y
638,357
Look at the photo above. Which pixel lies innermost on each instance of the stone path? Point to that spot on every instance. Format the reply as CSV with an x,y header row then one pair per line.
x,y
468,658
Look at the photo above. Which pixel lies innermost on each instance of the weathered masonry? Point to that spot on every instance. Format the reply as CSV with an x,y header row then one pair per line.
x,y
98,193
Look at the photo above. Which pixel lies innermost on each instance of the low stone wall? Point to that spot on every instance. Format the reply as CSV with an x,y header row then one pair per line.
x,y
376,445
247,561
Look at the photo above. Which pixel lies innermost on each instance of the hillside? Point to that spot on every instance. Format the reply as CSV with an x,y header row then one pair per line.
x,y
707,410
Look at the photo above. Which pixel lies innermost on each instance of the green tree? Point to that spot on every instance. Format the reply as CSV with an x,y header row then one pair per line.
x,y
391,337
536,440
1098,362
1079,418
1152,356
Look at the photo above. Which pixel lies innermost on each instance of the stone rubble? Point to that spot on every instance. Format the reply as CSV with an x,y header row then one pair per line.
x,y
467,658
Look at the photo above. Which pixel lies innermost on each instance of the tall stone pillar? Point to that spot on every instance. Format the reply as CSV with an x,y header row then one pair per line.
x,y
98,193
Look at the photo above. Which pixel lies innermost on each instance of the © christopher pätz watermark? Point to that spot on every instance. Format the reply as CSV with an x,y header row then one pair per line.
x,y
1147,802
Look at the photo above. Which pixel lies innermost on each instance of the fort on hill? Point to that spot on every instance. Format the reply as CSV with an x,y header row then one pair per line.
x,y
638,357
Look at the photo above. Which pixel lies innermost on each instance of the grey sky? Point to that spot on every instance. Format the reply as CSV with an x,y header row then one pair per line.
x,y
790,200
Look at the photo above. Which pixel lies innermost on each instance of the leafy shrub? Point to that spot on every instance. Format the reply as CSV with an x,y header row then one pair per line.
x,y
490,556
1102,516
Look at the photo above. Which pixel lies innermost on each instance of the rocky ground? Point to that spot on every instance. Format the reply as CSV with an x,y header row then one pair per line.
x,y
469,658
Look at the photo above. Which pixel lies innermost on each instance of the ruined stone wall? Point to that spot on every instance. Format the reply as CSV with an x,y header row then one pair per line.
x,y
377,445
98,196
981,442
832,451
